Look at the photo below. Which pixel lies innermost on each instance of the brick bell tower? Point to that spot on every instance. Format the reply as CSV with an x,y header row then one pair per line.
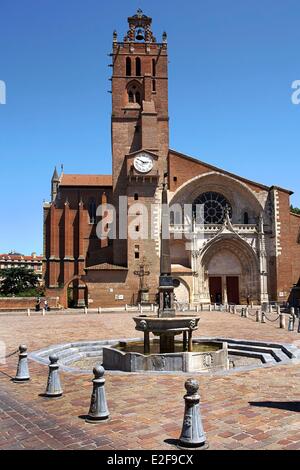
x,y
140,135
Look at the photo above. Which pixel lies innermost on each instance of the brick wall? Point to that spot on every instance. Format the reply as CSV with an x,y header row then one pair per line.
x,y
22,303
288,262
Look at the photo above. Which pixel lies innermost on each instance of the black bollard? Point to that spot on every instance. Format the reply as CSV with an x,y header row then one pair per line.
x,y
53,389
291,324
98,408
192,434
22,374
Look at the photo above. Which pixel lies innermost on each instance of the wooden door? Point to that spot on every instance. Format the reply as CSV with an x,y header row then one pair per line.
x,y
215,290
233,291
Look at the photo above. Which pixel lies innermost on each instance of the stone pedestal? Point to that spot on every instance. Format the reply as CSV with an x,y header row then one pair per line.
x,y
22,374
144,296
166,297
192,434
98,411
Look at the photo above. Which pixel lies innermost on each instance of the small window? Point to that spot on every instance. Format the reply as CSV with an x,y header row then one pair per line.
x,y
153,67
153,85
174,179
128,67
136,251
138,68
246,218
136,196
137,228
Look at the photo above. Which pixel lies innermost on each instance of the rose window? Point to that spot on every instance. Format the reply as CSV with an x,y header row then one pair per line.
x,y
211,208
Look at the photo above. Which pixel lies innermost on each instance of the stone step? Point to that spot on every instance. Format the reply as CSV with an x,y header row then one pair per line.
x,y
78,356
289,350
277,354
264,357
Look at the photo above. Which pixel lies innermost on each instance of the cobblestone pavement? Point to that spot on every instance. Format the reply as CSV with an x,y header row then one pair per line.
x,y
258,409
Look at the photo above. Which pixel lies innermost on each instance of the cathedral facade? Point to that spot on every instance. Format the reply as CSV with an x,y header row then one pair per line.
x,y
243,244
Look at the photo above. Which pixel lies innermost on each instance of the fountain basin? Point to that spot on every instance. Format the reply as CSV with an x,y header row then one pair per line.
x,y
123,357
168,325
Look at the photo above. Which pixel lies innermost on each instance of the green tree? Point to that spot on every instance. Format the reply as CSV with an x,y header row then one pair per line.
x,y
16,280
295,210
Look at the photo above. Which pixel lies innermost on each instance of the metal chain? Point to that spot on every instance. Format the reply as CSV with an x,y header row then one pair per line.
x,y
252,314
9,355
270,319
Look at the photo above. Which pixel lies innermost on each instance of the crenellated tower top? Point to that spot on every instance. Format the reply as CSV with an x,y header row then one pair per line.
x,y
139,30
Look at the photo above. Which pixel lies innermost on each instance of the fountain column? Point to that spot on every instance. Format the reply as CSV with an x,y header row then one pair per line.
x,y
166,287
146,342
166,344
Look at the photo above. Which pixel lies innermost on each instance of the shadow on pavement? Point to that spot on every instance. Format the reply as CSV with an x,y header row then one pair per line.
x,y
281,405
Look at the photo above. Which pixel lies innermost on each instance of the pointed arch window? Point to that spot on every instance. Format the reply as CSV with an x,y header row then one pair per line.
x,y
128,66
134,93
92,211
138,67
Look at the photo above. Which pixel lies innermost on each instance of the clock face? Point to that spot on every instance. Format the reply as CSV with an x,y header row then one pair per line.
x,y
143,163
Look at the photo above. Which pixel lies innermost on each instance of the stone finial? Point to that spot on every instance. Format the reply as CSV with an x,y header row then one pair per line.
x,y
98,372
192,387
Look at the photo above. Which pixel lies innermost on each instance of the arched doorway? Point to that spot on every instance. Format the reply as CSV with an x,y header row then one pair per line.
x,y
224,272
231,271
77,293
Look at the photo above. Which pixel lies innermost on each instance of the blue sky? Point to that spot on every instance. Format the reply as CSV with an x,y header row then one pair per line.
x,y
231,67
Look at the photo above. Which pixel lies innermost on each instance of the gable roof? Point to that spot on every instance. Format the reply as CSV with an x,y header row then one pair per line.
x,y
220,170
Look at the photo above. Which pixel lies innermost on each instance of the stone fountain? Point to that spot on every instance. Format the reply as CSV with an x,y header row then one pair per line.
x,y
166,325
171,355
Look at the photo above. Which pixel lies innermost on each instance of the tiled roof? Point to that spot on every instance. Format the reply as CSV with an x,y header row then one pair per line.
x,y
86,180
106,267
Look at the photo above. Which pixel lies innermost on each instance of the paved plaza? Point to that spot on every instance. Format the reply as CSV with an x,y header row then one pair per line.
x,y
257,409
